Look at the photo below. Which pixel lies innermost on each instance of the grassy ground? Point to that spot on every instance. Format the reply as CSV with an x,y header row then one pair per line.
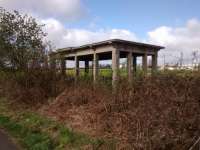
x,y
35,132
104,72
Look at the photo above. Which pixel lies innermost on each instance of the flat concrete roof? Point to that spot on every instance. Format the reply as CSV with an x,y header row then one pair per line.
x,y
107,42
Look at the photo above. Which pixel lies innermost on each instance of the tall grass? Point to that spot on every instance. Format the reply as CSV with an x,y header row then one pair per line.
x,y
153,112
35,86
158,112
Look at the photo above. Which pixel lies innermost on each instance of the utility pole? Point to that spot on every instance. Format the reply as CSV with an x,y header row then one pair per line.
x,y
164,62
181,60
195,59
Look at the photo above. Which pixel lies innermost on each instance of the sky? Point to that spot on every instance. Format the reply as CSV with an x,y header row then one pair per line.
x,y
174,24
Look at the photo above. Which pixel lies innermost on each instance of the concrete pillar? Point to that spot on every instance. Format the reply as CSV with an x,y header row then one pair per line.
x,y
86,66
95,66
76,66
63,66
115,66
154,62
134,65
144,63
130,66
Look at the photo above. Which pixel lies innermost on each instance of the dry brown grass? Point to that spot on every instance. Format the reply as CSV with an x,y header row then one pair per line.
x,y
161,112
31,88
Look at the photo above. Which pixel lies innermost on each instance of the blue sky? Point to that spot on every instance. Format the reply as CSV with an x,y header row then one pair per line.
x,y
174,24
140,16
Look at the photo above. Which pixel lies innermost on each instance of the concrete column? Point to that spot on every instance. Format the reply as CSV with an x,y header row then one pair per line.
x,y
95,66
130,66
134,65
154,62
63,66
86,66
144,63
76,66
115,66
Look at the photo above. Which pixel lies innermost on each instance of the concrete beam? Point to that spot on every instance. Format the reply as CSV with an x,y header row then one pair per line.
x,y
90,51
136,50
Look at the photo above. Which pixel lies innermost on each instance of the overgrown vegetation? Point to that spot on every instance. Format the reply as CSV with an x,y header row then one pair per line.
x,y
21,41
35,132
24,59
27,82
158,112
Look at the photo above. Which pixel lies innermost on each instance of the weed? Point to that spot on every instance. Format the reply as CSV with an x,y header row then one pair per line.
x,y
36,132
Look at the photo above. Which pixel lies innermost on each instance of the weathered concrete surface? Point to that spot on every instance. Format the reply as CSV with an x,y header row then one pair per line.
x,y
111,49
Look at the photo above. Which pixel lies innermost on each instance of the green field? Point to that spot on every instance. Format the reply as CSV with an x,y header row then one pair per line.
x,y
106,72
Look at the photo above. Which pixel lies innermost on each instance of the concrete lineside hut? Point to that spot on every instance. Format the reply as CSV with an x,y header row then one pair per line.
x,y
109,50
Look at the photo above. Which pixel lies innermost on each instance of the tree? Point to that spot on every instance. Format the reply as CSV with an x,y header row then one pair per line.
x,y
21,41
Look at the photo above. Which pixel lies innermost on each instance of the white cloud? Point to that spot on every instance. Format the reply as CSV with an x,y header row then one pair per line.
x,y
63,37
64,10
176,40
55,13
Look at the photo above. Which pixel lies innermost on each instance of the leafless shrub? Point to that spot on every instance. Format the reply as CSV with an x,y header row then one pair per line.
x,y
161,112
32,88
